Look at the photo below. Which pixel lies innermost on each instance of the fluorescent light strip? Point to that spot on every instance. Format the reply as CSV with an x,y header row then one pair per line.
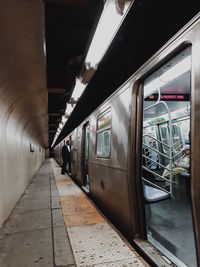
x,y
69,109
78,90
108,25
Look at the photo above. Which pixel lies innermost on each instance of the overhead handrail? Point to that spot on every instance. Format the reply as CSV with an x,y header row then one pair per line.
x,y
157,102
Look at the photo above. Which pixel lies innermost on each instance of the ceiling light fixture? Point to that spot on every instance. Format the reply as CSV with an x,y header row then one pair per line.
x,y
69,109
78,90
108,25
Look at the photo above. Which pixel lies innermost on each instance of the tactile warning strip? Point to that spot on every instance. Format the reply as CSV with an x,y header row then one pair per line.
x,y
73,200
78,209
83,219
64,181
100,244
70,207
67,190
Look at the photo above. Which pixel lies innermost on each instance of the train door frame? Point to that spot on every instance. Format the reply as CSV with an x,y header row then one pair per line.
x,y
195,138
135,190
84,157
74,154
136,151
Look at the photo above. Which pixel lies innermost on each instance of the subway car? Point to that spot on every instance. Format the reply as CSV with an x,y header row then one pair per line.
x,y
121,151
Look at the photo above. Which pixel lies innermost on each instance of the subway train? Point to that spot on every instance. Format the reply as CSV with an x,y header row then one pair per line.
x,y
120,152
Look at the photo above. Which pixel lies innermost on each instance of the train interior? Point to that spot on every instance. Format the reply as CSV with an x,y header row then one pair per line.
x,y
166,159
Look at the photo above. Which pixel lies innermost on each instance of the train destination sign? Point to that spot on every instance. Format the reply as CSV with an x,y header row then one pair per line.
x,y
169,97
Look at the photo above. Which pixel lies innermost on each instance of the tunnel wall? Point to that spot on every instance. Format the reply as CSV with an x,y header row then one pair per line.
x,y
23,98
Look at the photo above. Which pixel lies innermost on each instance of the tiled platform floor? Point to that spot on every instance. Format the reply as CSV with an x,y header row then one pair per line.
x,y
55,224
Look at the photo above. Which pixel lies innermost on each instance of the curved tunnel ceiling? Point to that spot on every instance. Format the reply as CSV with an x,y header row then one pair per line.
x,y
23,93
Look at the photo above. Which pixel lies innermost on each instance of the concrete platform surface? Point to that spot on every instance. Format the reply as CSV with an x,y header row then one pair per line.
x,y
55,224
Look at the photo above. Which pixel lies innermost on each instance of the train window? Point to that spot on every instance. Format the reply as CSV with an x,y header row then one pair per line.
x,y
103,144
103,135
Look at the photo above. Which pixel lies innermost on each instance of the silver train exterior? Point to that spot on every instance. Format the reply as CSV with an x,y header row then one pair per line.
x,y
108,152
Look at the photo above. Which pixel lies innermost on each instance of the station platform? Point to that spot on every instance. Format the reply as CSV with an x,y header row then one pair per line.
x,y
55,224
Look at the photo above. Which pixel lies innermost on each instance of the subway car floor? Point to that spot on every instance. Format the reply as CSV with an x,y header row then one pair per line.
x,y
55,224
170,224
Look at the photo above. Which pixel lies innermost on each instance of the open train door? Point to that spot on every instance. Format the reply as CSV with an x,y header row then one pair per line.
x,y
167,201
85,157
